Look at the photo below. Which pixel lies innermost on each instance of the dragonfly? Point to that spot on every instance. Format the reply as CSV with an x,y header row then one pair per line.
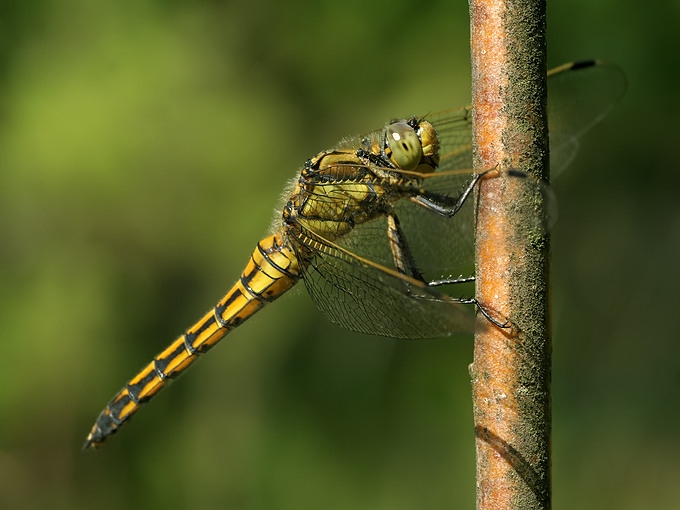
x,y
372,226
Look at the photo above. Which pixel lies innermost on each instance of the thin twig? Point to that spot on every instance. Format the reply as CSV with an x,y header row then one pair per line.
x,y
512,366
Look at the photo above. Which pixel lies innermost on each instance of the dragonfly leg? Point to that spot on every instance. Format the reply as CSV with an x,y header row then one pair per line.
x,y
451,281
447,206
405,263
442,204
503,323
374,159
401,253
403,258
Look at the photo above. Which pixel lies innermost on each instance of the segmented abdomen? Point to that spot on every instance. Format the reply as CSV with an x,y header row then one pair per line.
x,y
272,270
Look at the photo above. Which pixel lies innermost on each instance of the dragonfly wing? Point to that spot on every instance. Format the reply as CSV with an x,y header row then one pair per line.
x,y
579,95
370,298
442,247
355,282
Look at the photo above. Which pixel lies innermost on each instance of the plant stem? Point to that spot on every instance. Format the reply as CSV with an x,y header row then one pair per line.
x,y
511,370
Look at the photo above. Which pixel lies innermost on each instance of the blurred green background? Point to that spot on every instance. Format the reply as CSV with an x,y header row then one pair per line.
x,y
143,146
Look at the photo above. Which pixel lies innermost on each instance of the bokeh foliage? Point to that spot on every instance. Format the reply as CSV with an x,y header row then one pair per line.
x,y
143,147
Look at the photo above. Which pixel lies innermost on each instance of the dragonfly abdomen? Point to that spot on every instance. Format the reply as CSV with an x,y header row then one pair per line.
x,y
272,270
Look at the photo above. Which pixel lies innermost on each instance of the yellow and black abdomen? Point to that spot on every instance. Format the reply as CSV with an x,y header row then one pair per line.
x,y
272,270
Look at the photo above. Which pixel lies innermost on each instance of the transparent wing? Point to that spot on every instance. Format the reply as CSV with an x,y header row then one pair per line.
x,y
360,294
579,95
354,280
446,245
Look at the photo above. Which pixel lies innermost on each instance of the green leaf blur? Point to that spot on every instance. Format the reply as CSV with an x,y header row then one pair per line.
x,y
143,147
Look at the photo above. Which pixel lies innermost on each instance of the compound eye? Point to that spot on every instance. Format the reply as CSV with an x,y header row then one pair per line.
x,y
405,149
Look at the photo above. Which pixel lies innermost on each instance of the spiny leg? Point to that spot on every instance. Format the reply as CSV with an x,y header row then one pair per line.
x,y
448,206
406,265
451,281
445,205
440,204
401,253
504,323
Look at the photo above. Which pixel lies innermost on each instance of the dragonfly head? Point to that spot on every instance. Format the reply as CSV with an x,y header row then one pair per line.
x,y
410,144
429,142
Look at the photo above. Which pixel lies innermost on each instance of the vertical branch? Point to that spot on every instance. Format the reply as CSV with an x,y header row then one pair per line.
x,y
512,366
